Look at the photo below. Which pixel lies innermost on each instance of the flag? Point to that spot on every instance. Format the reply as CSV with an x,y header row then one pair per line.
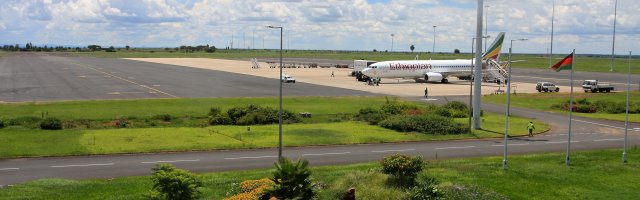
x,y
566,63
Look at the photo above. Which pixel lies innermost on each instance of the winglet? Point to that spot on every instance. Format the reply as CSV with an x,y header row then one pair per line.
x,y
494,51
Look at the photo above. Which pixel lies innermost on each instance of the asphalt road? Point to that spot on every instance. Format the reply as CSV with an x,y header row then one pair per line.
x,y
40,77
36,78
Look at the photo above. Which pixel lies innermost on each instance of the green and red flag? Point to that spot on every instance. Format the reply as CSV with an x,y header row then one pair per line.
x,y
566,63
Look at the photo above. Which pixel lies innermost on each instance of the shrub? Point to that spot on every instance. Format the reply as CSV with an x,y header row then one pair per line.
x,y
1,123
370,115
254,114
51,123
442,112
584,108
402,168
163,117
425,188
26,121
456,105
392,108
429,123
173,183
252,189
219,119
292,181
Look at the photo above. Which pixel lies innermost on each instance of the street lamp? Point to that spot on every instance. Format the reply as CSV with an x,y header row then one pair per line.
x,y
486,19
280,110
506,127
392,42
613,43
433,50
473,41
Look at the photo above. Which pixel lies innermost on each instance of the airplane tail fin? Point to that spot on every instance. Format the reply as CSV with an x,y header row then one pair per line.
x,y
494,51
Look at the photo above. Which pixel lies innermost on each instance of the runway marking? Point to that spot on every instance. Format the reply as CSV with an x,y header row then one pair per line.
x,y
393,150
599,124
325,154
501,145
3,169
465,147
602,140
170,161
560,142
87,165
430,99
130,81
256,157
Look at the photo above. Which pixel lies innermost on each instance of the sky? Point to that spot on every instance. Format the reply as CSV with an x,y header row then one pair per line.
x,y
584,25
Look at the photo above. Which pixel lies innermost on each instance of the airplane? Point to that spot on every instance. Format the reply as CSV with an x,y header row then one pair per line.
x,y
431,70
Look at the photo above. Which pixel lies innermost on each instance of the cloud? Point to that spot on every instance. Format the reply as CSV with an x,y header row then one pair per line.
x,y
316,24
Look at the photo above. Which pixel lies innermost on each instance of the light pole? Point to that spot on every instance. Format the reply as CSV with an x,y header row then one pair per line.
x,y
280,110
433,49
506,127
473,40
486,19
613,44
553,13
392,42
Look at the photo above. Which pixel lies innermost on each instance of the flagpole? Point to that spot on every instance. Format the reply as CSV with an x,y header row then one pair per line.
x,y
568,160
626,121
553,13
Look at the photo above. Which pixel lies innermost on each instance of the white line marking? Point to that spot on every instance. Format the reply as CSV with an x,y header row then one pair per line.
x,y
393,150
170,161
560,142
87,165
602,140
501,145
256,157
325,154
127,80
465,147
603,125
2,169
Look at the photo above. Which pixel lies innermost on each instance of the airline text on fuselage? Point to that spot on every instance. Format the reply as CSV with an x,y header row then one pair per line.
x,y
412,67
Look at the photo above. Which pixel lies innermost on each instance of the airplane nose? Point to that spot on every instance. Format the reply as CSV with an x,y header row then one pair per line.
x,y
367,71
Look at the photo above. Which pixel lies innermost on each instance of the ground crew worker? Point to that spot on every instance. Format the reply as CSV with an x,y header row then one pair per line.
x,y
331,73
426,92
530,127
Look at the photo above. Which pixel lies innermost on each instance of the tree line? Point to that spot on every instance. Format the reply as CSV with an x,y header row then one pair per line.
x,y
93,47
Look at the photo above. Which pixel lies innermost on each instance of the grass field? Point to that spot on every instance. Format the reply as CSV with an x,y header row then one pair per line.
x,y
593,175
583,63
20,142
543,101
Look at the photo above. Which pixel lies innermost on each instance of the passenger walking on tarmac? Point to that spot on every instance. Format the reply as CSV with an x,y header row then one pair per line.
x,y
377,81
331,73
426,92
530,127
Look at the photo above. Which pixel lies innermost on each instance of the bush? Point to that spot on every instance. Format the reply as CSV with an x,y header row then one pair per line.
x,y
392,108
429,123
1,123
214,111
253,114
370,115
442,112
163,117
456,105
252,189
425,188
291,181
26,121
219,119
51,123
173,183
402,168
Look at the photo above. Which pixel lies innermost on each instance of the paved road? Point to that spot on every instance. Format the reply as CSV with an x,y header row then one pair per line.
x,y
39,77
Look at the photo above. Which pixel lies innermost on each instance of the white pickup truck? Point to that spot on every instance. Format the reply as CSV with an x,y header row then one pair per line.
x,y
595,86
288,79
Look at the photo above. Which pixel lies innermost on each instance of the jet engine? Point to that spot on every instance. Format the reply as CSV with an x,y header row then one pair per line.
x,y
434,77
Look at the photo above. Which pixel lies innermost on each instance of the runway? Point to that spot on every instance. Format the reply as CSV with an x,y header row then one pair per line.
x,y
39,77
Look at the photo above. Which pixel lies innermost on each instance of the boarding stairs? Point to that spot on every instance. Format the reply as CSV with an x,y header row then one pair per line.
x,y
495,71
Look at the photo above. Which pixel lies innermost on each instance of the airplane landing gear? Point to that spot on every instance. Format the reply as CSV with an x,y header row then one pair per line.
x,y
444,80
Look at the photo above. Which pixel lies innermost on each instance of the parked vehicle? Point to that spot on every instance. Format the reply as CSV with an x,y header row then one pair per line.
x,y
288,79
595,86
547,87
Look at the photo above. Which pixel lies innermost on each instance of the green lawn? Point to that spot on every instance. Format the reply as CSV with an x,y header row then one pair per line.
x,y
582,63
593,175
21,142
111,109
543,101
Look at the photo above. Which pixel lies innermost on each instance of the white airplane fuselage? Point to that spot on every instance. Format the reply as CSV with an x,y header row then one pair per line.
x,y
430,70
